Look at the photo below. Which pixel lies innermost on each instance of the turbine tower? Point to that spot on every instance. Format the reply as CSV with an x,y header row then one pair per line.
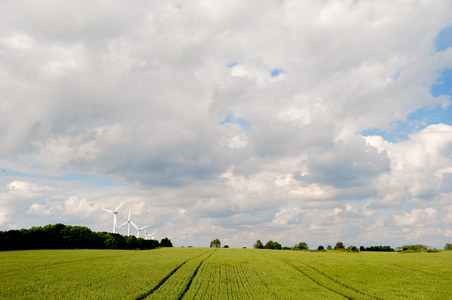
x,y
114,212
128,222
138,228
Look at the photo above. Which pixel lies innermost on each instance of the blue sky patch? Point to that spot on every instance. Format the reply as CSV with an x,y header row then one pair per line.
x,y
230,118
444,39
444,85
232,64
276,72
416,121
421,118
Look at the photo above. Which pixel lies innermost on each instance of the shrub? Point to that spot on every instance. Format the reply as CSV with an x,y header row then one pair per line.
x,y
352,249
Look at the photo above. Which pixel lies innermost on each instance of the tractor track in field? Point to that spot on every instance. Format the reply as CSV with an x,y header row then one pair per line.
x,y
319,274
155,288
187,287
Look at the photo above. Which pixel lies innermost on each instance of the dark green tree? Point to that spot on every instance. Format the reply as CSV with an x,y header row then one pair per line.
x,y
60,236
215,243
339,246
320,248
377,248
258,245
448,246
166,242
301,246
273,245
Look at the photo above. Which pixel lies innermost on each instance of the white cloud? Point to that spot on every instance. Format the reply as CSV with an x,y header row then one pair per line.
x,y
39,210
79,207
238,141
136,94
19,41
417,217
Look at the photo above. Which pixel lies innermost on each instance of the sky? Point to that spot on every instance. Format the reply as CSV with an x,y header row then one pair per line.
x,y
294,121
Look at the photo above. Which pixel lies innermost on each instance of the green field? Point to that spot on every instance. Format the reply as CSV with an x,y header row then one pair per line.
x,y
204,273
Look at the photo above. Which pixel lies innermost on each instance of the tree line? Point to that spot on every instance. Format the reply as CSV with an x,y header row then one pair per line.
x,y
60,236
340,246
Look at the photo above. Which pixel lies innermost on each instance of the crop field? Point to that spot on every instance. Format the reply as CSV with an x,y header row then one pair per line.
x,y
205,273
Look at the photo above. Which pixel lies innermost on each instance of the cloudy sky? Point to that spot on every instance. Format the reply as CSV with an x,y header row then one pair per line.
x,y
315,120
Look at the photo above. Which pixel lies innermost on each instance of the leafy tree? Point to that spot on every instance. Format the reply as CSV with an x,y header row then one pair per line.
x,y
320,248
258,245
60,236
413,248
448,246
301,246
269,245
273,245
378,248
215,243
131,242
225,246
111,242
329,247
339,246
166,242
361,248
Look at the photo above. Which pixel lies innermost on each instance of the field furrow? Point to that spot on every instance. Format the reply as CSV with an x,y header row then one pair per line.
x,y
238,274
381,275
143,296
329,283
180,281
187,287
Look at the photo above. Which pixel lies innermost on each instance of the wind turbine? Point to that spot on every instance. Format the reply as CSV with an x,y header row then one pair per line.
x,y
128,222
114,212
138,228
152,235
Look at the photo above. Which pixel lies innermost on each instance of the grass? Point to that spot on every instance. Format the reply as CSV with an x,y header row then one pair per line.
x,y
203,273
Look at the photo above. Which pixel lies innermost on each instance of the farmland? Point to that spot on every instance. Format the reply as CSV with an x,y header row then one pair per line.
x,y
204,273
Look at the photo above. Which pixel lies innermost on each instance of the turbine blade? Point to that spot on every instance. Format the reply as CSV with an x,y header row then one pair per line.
x,y
123,224
119,206
133,224
110,211
144,227
154,232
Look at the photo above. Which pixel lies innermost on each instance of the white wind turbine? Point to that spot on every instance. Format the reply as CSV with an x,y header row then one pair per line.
x,y
138,228
152,235
114,212
128,226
